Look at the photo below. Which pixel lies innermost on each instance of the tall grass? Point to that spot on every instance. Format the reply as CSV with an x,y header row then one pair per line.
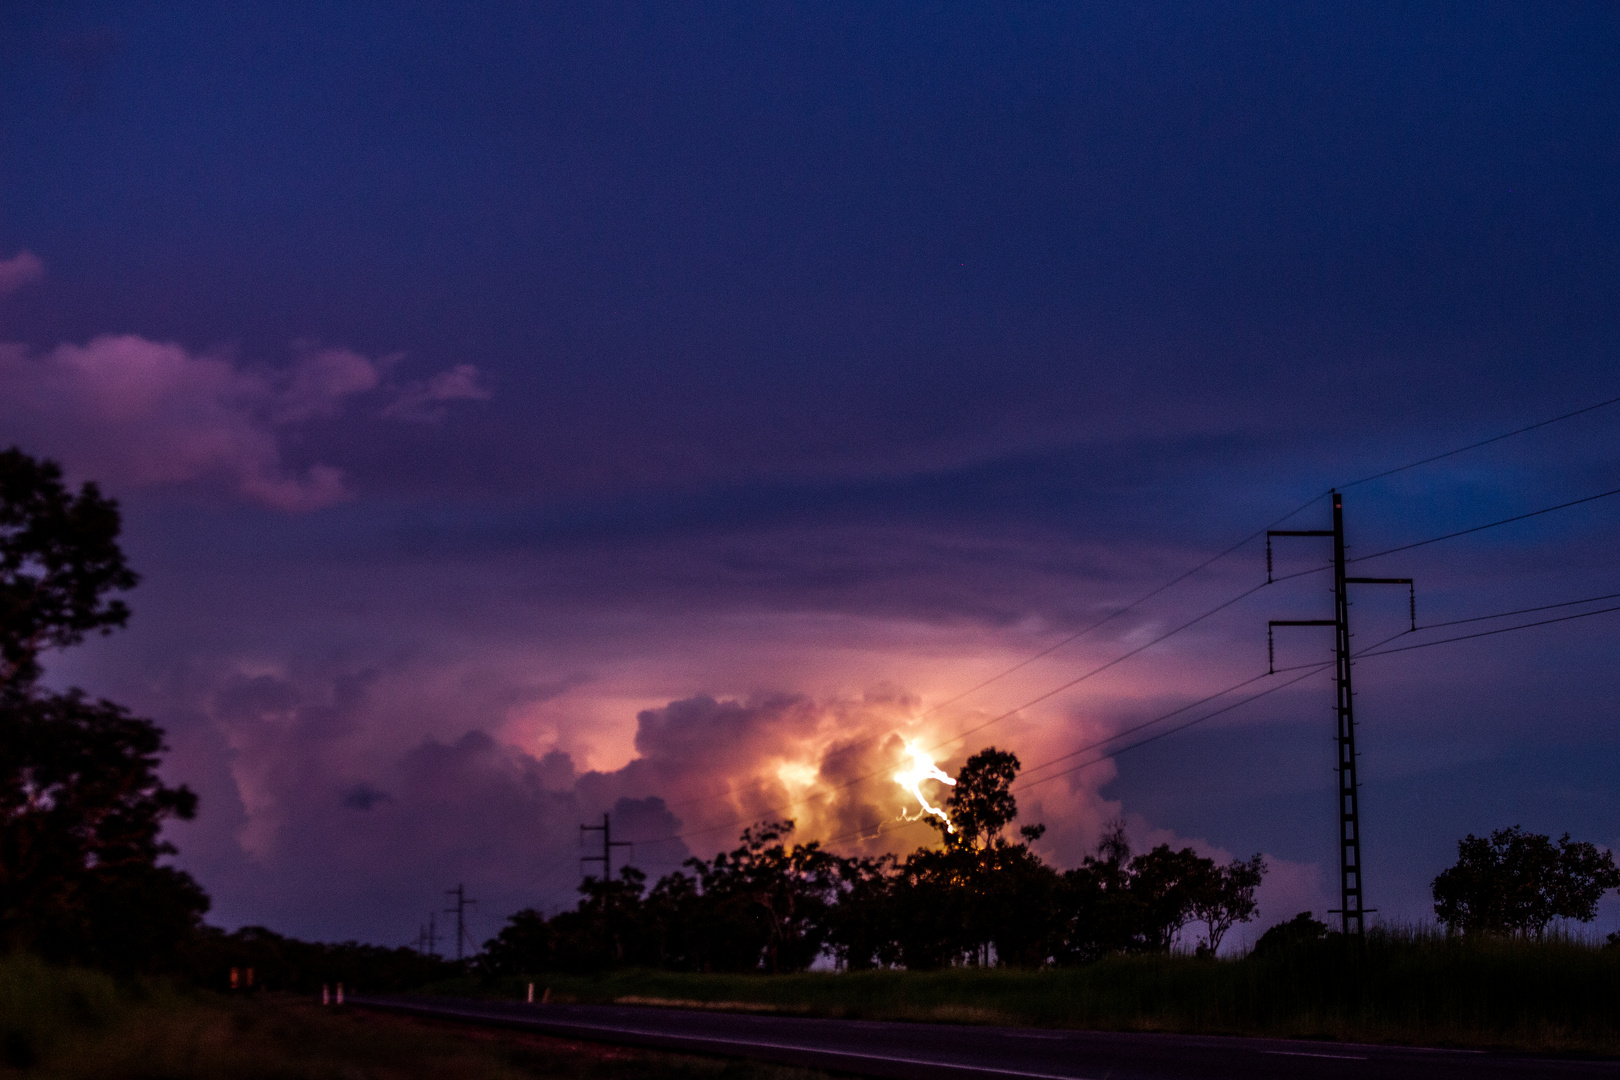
x,y
75,1025
1403,985
44,1008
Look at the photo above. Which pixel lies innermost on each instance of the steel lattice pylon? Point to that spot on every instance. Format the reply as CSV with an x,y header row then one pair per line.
x,y
1352,909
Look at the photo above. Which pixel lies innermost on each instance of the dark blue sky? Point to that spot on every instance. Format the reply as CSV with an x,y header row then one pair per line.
x,y
476,381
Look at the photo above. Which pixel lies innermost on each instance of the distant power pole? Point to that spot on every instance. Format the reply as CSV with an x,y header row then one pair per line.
x,y
1351,912
427,937
460,912
606,859
608,844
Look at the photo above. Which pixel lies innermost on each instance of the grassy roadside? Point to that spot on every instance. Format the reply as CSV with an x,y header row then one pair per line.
x,y
1418,989
73,1024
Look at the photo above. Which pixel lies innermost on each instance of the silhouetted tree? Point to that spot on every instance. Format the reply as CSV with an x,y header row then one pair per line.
x,y
1301,930
981,895
81,805
287,964
1224,897
1165,884
1018,912
59,557
978,898
981,803
937,913
764,905
527,943
1517,882
861,926
1115,902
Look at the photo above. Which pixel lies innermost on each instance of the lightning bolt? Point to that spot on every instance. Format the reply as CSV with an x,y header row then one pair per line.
x,y
923,768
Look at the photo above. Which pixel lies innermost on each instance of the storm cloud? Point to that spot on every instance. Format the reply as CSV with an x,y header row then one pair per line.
x,y
667,413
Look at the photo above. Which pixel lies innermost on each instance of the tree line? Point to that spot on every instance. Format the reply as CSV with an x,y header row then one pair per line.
x,y
979,897
770,905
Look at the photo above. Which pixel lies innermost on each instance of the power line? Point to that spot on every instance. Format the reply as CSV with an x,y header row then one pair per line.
x,y
1489,525
1257,533
826,792
1477,445
1161,718
1505,614
1050,649
1076,635
1070,684
1312,670
1370,651
1307,669
1144,598
1498,630
1128,607
1297,510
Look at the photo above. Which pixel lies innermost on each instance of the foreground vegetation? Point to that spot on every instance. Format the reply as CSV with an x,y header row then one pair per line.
x,y
1415,987
70,1024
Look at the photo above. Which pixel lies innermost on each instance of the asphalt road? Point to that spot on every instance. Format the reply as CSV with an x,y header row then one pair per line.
x,y
949,1052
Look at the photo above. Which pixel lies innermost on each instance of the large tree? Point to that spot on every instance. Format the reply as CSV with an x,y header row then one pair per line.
x,y
1225,897
1517,882
81,804
981,803
782,892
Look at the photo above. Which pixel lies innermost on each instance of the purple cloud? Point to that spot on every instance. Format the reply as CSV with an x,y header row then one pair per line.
x,y
19,270
425,400
139,413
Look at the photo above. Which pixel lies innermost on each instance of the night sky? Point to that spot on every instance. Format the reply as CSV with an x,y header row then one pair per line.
x,y
522,412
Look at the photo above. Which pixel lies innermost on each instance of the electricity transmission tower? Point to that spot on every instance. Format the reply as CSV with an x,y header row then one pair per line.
x,y
1351,910
460,912
608,844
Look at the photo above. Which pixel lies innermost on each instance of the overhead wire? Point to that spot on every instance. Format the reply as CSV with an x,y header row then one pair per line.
x,y
1498,630
1312,670
1370,651
1076,635
1307,671
826,792
1477,445
1070,684
1518,611
1098,670
1192,705
1488,525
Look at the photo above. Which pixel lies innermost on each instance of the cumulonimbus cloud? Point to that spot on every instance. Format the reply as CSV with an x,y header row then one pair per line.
x,y
136,412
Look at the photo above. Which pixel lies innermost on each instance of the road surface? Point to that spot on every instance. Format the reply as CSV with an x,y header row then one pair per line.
x,y
949,1052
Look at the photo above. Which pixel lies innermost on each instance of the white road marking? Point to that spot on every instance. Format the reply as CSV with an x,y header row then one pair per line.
x,y
815,1050
1301,1053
